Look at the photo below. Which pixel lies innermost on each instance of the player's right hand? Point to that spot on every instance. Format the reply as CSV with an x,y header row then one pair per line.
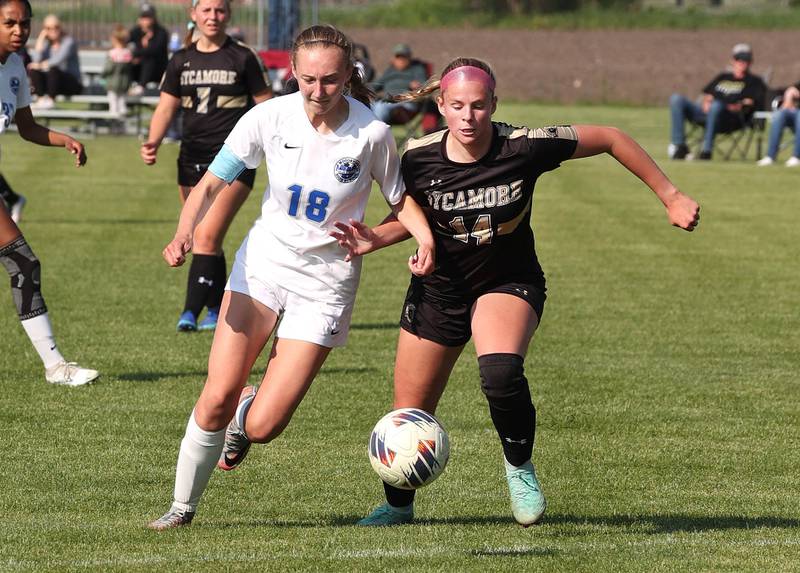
x,y
356,238
683,212
148,151
175,253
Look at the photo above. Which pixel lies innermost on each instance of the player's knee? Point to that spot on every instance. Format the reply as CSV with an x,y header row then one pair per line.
x,y
502,376
26,273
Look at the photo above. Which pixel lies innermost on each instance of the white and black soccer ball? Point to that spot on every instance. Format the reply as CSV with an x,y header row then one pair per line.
x,y
408,448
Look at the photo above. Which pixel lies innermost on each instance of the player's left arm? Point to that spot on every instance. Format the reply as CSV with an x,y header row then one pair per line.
x,y
682,210
41,135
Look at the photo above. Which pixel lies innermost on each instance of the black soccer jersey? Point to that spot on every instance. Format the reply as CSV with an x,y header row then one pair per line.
x,y
216,89
480,212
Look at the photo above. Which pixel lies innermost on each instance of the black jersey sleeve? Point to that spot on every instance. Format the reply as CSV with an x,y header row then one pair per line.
x,y
549,146
254,74
710,88
171,81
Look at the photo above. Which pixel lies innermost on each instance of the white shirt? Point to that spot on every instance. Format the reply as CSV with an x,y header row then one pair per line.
x,y
314,180
15,91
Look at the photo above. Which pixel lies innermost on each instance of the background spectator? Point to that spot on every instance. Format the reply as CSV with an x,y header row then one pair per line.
x,y
728,100
150,42
786,116
403,74
117,70
55,69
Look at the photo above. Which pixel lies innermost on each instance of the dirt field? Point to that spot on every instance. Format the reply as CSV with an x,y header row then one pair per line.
x,y
600,66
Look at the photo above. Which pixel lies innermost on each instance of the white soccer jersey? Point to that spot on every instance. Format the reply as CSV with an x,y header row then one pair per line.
x,y
15,91
314,180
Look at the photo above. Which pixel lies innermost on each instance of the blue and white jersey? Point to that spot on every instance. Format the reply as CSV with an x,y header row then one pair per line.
x,y
15,92
315,180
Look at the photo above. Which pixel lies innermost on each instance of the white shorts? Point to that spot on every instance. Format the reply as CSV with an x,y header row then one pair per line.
x,y
301,318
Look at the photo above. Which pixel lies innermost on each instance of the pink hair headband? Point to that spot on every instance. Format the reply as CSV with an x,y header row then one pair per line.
x,y
467,74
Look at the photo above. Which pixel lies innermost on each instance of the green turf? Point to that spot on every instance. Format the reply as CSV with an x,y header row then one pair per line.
x,y
664,374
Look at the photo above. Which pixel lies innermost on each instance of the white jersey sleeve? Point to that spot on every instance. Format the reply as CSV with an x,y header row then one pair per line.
x,y
386,166
245,140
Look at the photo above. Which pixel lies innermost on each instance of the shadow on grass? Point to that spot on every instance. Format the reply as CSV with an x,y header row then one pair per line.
x,y
655,524
675,523
155,376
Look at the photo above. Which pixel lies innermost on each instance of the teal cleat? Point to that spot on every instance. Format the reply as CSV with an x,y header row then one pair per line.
x,y
209,322
386,514
527,500
187,322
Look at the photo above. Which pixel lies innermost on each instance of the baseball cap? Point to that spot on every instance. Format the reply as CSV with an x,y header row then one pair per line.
x,y
742,52
147,11
402,50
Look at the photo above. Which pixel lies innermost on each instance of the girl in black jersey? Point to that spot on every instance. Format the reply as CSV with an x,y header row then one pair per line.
x,y
214,81
476,179
16,255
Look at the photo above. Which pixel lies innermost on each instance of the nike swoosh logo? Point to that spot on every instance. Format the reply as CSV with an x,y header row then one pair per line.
x,y
287,146
335,331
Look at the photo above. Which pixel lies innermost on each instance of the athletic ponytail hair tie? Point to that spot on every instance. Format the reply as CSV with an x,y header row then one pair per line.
x,y
467,74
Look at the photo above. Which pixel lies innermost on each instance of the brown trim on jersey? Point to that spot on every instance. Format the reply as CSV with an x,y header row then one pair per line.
x,y
510,226
228,102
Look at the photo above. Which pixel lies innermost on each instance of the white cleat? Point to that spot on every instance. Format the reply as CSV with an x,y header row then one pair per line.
x,y
764,161
792,161
70,374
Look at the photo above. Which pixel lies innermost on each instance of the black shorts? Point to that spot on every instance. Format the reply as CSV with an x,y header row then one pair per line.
x,y
190,173
448,322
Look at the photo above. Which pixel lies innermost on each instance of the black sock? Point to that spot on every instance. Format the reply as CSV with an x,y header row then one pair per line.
x,y
398,497
510,405
6,192
202,279
218,288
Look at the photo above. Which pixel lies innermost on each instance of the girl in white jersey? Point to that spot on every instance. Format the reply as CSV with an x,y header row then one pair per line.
x,y
323,151
15,254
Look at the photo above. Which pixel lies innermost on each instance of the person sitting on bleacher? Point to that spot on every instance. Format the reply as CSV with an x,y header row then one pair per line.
x,y
150,46
728,100
787,116
402,75
55,69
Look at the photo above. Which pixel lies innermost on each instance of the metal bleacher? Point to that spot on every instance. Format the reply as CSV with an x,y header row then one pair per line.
x,y
90,108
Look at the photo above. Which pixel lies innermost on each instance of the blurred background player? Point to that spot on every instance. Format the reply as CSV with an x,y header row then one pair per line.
x,y
323,151
55,69
15,255
214,81
476,180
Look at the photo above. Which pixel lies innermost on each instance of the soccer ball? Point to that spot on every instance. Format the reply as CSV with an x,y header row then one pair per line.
x,y
408,448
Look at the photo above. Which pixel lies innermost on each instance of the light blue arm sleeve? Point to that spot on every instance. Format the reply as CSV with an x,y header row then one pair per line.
x,y
226,165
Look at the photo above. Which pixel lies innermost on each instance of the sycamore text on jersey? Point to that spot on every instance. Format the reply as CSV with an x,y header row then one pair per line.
x,y
480,198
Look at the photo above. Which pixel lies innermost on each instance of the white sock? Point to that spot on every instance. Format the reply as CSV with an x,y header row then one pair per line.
x,y
40,332
197,459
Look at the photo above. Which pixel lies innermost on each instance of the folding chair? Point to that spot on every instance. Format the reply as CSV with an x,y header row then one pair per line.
x,y
278,65
735,139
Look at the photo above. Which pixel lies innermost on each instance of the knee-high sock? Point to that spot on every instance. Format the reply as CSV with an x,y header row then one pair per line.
x,y
216,291
398,497
197,459
202,278
40,332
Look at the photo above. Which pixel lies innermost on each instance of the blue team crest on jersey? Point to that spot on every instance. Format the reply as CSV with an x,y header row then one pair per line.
x,y
347,169
14,85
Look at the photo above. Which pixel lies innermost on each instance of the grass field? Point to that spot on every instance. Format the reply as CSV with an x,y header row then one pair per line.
x,y
665,376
